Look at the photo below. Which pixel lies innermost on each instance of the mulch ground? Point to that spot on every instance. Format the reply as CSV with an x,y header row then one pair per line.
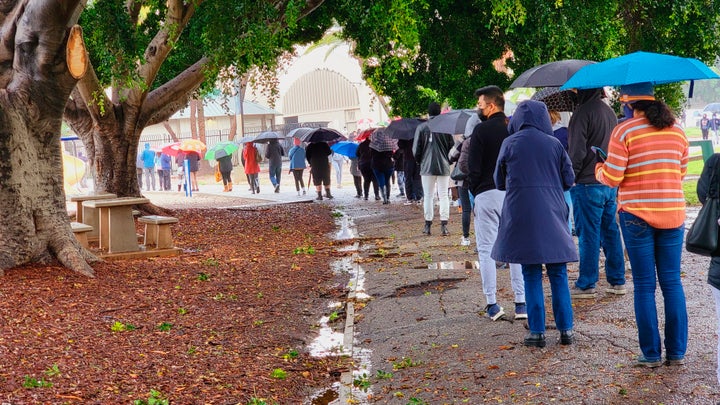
x,y
226,322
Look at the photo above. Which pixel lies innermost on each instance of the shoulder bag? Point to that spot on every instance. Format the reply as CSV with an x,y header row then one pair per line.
x,y
703,235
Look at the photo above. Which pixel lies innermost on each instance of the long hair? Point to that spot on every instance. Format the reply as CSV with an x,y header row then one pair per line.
x,y
656,112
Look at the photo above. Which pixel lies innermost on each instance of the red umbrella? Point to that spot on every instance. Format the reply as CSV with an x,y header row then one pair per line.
x,y
365,134
171,149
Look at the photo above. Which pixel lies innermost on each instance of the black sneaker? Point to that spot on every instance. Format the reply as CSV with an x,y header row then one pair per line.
x,y
534,340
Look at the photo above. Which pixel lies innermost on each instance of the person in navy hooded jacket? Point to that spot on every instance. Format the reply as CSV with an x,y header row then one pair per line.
x,y
534,169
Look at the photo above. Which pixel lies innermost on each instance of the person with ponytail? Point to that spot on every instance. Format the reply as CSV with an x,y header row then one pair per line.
x,y
647,160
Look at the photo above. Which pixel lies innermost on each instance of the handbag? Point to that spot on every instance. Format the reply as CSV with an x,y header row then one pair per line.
x,y
703,235
218,175
457,174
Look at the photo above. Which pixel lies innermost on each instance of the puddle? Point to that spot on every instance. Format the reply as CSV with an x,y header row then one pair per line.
x,y
347,231
466,265
328,342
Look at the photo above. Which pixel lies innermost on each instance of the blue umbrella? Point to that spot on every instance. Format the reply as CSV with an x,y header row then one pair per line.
x,y
639,67
345,148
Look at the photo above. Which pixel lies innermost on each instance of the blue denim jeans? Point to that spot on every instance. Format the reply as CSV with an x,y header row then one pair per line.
x,y
274,173
657,252
535,297
594,208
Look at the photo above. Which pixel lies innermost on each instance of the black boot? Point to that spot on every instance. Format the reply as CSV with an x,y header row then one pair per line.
x,y
428,224
319,197
327,194
443,228
386,194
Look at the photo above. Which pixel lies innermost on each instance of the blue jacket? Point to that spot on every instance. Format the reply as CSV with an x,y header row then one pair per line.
x,y
297,157
534,169
165,162
148,157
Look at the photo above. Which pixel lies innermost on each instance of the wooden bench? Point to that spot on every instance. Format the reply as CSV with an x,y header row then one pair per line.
x,y
157,231
81,232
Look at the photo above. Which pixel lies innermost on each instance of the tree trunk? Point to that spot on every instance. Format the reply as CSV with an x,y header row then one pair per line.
x,y
34,86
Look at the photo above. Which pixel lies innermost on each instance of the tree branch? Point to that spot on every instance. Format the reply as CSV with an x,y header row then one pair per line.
x,y
177,17
172,96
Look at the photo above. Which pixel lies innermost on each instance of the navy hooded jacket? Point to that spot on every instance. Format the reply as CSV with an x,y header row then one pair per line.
x,y
534,169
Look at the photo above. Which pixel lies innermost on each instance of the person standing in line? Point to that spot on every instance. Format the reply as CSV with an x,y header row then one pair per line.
x,y
139,169
226,166
705,189
399,159
297,165
431,152
338,161
180,162
594,204
561,133
274,153
647,159
357,177
365,166
534,169
463,193
705,126
148,158
411,173
166,167
481,157
317,154
715,125
252,168
194,159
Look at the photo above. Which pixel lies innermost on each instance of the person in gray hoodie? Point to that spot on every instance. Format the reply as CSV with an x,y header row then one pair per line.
x,y
594,204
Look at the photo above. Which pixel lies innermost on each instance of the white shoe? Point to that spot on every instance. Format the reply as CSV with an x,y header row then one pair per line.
x,y
465,241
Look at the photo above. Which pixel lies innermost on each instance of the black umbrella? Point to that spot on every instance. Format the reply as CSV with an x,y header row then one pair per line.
x,y
265,137
553,74
316,134
404,128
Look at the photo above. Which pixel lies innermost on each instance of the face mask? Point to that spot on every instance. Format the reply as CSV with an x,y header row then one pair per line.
x,y
482,116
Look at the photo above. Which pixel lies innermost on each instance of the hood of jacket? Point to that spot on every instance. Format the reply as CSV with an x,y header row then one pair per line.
x,y
583,96
530,114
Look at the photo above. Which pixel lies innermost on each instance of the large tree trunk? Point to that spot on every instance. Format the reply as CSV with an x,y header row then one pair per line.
x,y
34,86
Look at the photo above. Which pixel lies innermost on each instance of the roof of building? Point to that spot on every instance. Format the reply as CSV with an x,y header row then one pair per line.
x,y
219,107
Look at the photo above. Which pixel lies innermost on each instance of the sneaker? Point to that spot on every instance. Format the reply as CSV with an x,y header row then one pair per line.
x,y
408,202
494,311
520,311
277,188
616,289
534,340
644,362
576,292
465,241
675,362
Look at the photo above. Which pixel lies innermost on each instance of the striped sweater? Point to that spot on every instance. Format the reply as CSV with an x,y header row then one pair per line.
x,y
648,165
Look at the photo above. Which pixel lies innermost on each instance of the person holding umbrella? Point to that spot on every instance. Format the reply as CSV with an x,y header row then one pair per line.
x,y
250,156
317,154
225,164
431,151
381,161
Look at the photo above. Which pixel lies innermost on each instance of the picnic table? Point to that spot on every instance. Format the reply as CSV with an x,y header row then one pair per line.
x,y
116,224
87,215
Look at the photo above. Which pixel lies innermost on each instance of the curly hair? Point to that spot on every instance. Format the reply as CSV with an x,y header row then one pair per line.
x,y
657,112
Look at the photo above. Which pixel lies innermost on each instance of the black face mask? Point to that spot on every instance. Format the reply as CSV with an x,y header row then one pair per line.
x,y
482,116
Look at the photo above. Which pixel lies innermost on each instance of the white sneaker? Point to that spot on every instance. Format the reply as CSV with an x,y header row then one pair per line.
x,y
465,241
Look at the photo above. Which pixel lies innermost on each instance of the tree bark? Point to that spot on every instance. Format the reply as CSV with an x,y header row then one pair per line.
x,y
34,86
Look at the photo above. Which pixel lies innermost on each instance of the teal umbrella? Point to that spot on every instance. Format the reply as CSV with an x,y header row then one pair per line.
x,y
221,149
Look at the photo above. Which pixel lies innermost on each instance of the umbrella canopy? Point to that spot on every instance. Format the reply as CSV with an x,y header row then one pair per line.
x,y
365,123
192,145
345,148
552,74
403,128
221,149
556,99
265,137
639,67
712,108
244,139
365,134
171,149
382,142
452,122
316,135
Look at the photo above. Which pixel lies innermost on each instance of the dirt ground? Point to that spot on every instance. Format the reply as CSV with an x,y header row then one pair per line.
x,y
226,322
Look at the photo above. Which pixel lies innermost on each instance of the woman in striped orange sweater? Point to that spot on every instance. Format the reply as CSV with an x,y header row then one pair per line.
x,y
647,160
